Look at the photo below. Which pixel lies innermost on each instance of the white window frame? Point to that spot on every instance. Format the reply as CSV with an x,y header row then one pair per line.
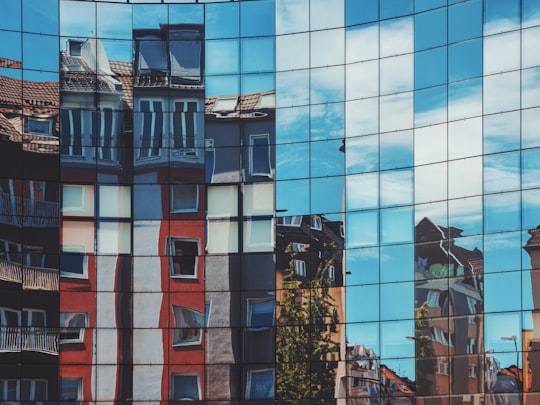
x,y
173,375
249,382
80,250
182,210
473,370
152,135
251,155
82,329
298,247
331,272
40,120
299,267
294,220
184,150
250,303
170,253
315,222
175,341
82,205
4,388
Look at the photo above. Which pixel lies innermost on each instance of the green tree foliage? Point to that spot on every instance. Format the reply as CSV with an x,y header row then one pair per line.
x,y
425,354
306,350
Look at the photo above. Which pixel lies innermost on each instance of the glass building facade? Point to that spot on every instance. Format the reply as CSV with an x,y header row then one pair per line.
x,y
270,201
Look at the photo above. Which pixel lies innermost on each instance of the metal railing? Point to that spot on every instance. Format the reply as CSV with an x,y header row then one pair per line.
x,y
29,338
31,277
16,210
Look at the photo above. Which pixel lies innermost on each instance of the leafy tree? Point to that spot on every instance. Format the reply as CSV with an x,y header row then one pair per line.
x,y
425,354
306,353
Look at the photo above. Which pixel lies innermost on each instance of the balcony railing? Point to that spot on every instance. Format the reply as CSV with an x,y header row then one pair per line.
x,y
28,338
31,277
16,210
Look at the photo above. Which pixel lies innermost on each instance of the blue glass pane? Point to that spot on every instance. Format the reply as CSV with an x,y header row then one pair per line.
x,y
10,17
465,60
358,12
430,105
397,263
395,8
465,21
222,20
502,212
257,18
423,5
397,225
40,16
501,15
430,29
430,68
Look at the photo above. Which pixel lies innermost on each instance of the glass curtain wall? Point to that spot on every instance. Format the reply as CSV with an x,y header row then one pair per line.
x,y
273,201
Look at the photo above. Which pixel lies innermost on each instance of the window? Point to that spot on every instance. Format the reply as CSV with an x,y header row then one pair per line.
x,y
185,49
260,314
73,198
23,390
151,128
259,159
73,262
70,391
260,384
152,55
188,324
184,198
108,124
183,257
291,221
442,365
299,267
225,104
185,387
299,247
184,128
75,130
331,273
259,235
342,231
72,326
473,370
433,298
316,222
35,126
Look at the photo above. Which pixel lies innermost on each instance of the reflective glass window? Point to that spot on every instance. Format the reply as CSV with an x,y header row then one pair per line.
x,y
501,15
395,8
396,36
257,18
396,74
430,106
326,14
465,99
396,187
291,16
362,43
362,117
501,92
464,20
502,52
464,60
222,20
502,212
530,88
430,144
501,132
361,12
362,154
10,19
530,38
362,191
501,172
396,112
465,138
430,67
362,229
430,29
397,225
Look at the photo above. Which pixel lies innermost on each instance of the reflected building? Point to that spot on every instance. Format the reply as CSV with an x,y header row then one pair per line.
x,y
270,201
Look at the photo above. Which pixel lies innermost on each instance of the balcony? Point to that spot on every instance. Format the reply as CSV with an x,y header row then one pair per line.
x,y
28,338
31,277
19,211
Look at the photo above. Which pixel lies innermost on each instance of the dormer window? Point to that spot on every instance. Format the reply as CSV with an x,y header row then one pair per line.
x,y
152,55
38,126
74,47
185,52
74,68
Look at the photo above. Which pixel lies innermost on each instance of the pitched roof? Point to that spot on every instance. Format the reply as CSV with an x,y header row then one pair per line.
x,y
10,63
34,97
247,105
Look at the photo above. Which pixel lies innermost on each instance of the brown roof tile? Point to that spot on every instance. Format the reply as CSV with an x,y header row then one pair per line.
x,y
10,63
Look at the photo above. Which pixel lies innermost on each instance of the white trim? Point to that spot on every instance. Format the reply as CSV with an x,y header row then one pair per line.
x,y
315,222
199,328
181,374
75,249
169,252
82,329
299,267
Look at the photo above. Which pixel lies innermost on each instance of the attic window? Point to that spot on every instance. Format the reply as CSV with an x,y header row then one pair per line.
x,y
74,47
267,101
225,104
36,126
74,68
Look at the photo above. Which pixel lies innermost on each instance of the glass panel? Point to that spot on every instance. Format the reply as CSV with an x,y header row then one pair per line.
x,y
501,132
395,8
327,123
222,20
114,238
362,191
362,154
396,150
465,21
327,84
258,236
327,48
530,88
362,43
397,36
465,138
397,225
257,55
362,229
222,57
531,208
299,205
430,67
326,14
257,18
430,29
430,183
77,27
397,112
465,60
502,212
114,21
466,214
530,10
40,52
258,199
222,237
115,201
327,194
530,122
501,172
292,88
292,52
430,106
404,294
396,187
530,38
361,12
430,144
396,74
362,117
363,314
291,16
222,201
502,52
465,99
501,15
501,92
530,167
291,164
10,19
397,264
470,169
362,80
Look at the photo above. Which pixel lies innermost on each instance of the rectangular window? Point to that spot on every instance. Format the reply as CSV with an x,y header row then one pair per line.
x,y
152,128
33,390
184,128
108,124
70,391
9,390
260,384
73,264
188,325
299,268
316,222
299,247
73,198
76,126
290,221
35,126
332,273
259,235
259,156
185,387
260,314
185,49
184,257
72,326
152,55
184,197
433,298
